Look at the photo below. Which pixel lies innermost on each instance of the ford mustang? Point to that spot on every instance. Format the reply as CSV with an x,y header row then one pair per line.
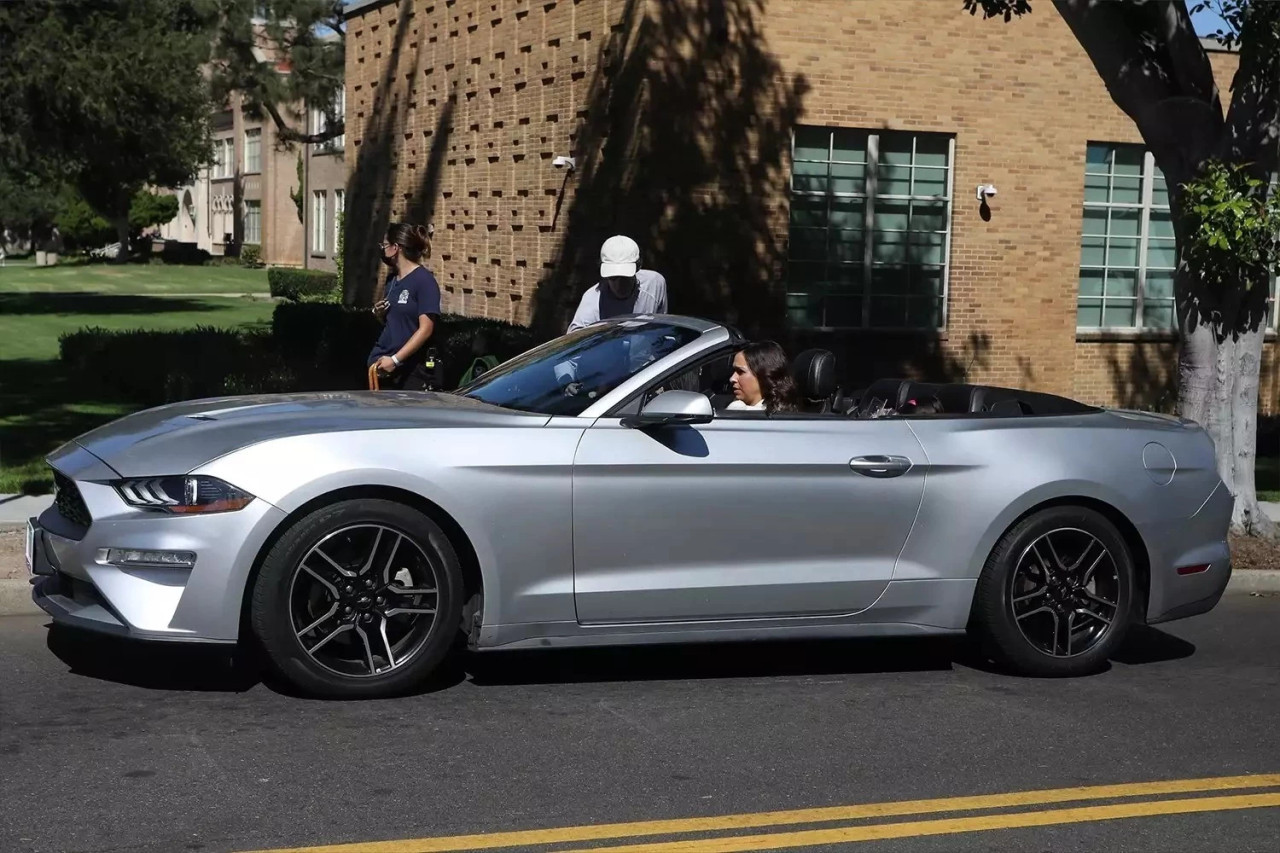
x,y
596,491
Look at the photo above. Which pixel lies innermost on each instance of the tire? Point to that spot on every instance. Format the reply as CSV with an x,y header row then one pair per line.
x,y
367,572
1017,602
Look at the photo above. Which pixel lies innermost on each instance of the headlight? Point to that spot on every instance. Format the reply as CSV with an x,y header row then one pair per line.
x,y
184,495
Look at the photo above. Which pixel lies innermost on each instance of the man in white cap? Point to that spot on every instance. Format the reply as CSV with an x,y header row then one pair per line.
x,y
623,288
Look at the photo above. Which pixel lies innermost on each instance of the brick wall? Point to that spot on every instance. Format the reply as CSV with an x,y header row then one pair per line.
x,y
680,113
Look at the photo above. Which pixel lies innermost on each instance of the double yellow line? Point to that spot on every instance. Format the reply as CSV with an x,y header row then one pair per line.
x,y
630,832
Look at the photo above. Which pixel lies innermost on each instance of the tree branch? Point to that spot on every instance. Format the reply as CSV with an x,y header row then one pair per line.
x,y
1253,121
1156,72
288,134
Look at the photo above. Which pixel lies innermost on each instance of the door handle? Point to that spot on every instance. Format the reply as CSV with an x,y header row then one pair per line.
x,y
880,466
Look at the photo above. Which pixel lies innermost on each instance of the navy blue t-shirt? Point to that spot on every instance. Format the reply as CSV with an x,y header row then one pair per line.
x,y
416,294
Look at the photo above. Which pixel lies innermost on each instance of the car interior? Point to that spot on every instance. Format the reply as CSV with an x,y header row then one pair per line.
x,y
817,379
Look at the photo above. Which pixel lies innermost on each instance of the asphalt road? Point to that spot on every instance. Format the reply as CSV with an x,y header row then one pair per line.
x,y
109,747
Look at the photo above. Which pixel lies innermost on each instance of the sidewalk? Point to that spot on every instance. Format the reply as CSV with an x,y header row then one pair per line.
x,y
16,509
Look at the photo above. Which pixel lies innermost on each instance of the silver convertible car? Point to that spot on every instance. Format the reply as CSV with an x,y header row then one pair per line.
x,y
596,491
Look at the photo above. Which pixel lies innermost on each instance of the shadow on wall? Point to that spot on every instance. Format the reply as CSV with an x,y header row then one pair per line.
x,y
371,191
1145,376
685,148
862,359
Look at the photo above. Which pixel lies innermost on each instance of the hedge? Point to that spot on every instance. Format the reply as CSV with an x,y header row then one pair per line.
x,y
150,368
311,347
337,340
303,285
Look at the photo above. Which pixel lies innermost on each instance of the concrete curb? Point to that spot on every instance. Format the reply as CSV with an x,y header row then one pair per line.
x,y
1255,580
15,598
15,594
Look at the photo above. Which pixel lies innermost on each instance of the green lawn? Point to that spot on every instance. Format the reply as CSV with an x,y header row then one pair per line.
x,y
155,278
38,408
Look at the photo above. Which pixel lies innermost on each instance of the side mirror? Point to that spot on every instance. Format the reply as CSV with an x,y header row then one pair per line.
x,y
673,407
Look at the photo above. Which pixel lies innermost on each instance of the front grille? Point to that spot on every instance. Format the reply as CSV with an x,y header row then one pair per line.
x,y
69,502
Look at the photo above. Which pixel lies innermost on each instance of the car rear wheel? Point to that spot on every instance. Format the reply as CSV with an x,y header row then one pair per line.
x,y
359,599
1056,595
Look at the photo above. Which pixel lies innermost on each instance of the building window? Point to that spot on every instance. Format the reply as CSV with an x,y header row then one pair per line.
x,y
1128,256
870,229
1127,253
339,207
253,150
224,158
253,222
320,122
319,221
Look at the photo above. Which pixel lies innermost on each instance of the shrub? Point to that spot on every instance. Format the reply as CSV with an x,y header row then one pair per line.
x,y
336,340
303,285
175,252
150,368
251,256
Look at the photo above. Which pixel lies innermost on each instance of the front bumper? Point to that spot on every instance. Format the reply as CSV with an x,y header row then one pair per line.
x,y
75,586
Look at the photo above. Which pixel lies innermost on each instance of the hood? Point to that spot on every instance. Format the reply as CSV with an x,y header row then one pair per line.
x,y
176,438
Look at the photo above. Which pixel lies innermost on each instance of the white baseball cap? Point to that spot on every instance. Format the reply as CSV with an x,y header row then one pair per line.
x,y
619,256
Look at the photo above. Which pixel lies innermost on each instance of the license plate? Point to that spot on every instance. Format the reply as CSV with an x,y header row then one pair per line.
x,y
31,547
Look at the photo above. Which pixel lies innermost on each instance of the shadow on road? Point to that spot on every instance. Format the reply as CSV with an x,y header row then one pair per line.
x,y
220,669
1146,645
715,660
152,666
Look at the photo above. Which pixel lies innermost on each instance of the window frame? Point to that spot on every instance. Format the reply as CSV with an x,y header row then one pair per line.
x,y
339,207
320,122
255,205
1145,207
869,194
223,159
254,133
319,221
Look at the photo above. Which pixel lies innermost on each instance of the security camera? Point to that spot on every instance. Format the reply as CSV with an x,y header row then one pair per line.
x,y
562,162
985,191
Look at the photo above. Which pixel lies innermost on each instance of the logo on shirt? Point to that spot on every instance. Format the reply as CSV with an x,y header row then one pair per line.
x,y
404,297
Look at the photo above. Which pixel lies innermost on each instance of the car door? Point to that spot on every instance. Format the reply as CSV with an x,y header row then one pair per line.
x,y
744,517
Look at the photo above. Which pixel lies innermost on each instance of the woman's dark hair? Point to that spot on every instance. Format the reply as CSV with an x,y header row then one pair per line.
x,y
414,240
768,362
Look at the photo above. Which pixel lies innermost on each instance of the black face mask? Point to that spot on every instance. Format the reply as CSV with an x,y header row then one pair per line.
x,y
391,261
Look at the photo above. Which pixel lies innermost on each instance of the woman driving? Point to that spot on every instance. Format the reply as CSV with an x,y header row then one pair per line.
x,y
761,380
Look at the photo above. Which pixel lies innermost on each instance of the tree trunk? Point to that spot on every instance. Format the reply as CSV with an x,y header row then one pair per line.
x,y
1247,516
122,234
1218,382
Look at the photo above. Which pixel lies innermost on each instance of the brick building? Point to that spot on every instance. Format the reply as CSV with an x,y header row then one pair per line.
x,y
803,168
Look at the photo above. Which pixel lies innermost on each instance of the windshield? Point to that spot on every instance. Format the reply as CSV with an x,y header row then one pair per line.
x,y
568,374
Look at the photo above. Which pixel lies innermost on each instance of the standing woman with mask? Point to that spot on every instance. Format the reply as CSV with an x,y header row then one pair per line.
x,y
409,309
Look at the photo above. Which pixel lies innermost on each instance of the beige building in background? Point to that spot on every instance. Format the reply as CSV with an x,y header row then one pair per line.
x,y
243,197
246,196
806,169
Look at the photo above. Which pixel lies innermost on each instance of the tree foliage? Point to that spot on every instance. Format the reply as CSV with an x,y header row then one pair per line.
x,y
292,55
1232,224
109,97
81,225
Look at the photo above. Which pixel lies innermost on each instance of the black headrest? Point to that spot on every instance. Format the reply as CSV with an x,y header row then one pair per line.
x,y
815,372
882,392
918,391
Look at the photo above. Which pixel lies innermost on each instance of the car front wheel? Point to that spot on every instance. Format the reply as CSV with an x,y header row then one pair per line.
x,y
1056,595
359,599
